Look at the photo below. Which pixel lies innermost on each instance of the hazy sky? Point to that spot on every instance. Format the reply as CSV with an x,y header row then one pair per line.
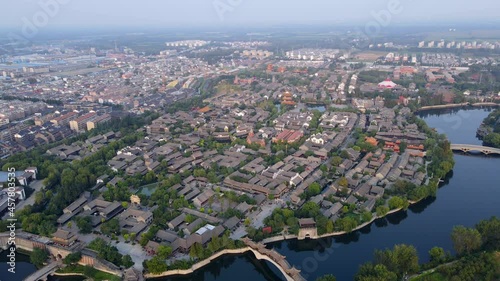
x,y
15,13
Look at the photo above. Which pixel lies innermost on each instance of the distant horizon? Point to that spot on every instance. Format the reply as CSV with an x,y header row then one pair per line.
x,y
247,26
52,14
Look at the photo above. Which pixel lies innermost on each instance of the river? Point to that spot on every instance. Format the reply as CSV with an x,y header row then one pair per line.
x,y
23,267
469,194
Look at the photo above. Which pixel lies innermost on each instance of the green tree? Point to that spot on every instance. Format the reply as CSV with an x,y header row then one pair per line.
x,y
112,226
156,265
313,189
89,271
72,258
465,240
38,257
490,233
199,173
402,259
328,277
343,182
378,272
382,211
150,177
196,251
402,146
212,177
347,224
309,209
133,236
329,226
437,255
164,251
127,261
84,224
366,216
397,202
336,161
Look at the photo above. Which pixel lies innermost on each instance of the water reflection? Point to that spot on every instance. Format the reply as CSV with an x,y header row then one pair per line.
x,y
422,205
23,267
380,223
367,229
66,278
348,238
397,218
307,245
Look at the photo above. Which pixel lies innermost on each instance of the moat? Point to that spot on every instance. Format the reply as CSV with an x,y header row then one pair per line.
x,y
470,193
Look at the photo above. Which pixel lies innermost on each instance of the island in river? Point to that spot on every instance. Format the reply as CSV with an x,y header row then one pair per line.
x,y
489,131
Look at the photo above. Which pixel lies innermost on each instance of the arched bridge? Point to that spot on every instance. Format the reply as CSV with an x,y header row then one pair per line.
x,y
44,272
475,148
262,253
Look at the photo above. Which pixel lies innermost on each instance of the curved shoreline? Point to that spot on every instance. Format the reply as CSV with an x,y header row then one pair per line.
x,y
199,264
219,254
69,274
338,233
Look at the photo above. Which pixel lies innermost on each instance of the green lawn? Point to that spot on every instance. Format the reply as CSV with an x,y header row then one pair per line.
x,y
435,276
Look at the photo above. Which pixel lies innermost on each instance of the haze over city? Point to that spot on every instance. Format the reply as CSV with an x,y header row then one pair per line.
x,y
249,140
96,13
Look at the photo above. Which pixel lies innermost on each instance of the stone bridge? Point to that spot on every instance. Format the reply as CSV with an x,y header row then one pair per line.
x,y
262,253
475,148
44,272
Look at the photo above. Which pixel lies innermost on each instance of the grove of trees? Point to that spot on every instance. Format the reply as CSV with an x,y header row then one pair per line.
x,y
477,258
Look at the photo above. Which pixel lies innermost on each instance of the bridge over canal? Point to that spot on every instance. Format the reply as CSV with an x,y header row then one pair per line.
x,y
475,148
44,272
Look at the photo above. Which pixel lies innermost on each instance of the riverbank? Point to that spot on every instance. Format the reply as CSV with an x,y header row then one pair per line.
x,y
212,258
457,105
259,251
86,271
489,130
338,233
68,274
199,264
